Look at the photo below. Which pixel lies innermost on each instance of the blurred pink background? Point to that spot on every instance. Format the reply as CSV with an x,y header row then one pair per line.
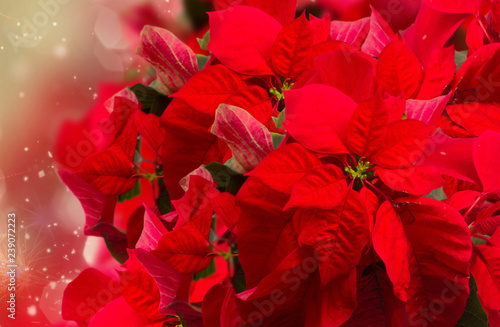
x,y
54,54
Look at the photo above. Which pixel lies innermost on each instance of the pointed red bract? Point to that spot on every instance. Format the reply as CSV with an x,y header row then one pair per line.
x,y
413,180
284,167
338,236
324,187
399,70
110,171
168,281
292,49
427,111
480,73
451,157
139,288
173,60
368,127
265,233
184,249
353,33
225,208
431,30
248,139
242,38
404,143
320,27
121,121
152,231
255,100
476,117
194,207
348,71
149,128
187,144
438,73
317,117
207,89
422,264
379,35
97,206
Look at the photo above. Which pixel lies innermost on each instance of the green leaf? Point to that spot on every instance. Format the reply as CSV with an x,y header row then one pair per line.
x,y
225,177
116,240
277,139
474,314
235,183
239,281
460,57
437,194
152,101
203,42
221,173
154,86
163,201
202,61
132,193
210,270
278,121
479,241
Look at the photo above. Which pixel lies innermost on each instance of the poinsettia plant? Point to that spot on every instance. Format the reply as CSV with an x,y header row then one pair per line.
x,y
307,172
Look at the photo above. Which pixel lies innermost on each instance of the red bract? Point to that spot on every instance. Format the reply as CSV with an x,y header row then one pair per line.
x,y
295,179
292,49
187,121
139,288
97,206
353,33
174,62
347,71
110,171
148,126
407,240
317,117
184,249
168,281
324,187
242,38
399,70
380,34
249,140
485,266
